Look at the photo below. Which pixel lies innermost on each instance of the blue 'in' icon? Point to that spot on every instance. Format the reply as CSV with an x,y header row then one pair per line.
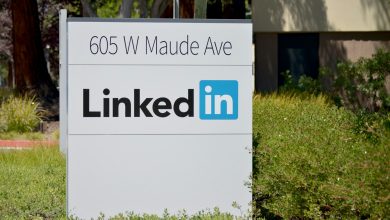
x,y
218,99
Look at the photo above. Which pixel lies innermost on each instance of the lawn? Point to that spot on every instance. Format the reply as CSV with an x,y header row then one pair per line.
x,y
312,161
32,184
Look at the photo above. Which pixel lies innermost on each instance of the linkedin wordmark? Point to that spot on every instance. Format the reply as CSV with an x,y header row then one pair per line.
x,y
161,106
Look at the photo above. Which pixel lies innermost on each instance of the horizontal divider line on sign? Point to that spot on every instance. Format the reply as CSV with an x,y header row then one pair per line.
x,y
173,134
128,64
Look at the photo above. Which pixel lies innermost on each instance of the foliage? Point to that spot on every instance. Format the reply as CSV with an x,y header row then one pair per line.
x,y
359,86
305,84
32,184
215,214
372,126
20,114
5,93
5,30
111,8
311,160
362,84
310,163
5,40
108,9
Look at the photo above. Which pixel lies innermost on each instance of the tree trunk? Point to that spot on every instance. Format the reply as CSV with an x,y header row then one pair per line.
x,y
187,8
10,79
155,13
214,9
143,9
125,10
200,9
88,11
239,8
234,10
31,75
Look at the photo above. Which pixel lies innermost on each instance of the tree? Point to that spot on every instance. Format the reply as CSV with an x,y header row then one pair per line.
x,y
143,8
214,9
6,41
31,74
200,9
88,11
234,9
126,7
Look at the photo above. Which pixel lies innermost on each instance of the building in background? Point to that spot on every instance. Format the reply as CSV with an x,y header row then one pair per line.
x,y
303,35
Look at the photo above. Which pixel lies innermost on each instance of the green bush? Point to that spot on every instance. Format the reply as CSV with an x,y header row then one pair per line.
x,y
214,214
20,114
372,125
305,84
310,163
361,84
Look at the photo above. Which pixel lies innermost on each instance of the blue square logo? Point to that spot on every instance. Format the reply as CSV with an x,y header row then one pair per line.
x,y
218,99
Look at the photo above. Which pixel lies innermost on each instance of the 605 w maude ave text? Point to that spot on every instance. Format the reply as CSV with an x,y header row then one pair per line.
x,y
155,45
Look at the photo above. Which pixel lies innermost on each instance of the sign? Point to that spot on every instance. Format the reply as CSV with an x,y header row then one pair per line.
x,y
156,114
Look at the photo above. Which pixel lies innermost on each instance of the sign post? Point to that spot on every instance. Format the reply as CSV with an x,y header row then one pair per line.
x,y
158,115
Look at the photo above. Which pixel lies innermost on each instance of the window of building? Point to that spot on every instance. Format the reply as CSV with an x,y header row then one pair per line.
x,y
298,53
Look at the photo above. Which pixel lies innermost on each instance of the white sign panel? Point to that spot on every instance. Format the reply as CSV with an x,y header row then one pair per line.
x,y
158,116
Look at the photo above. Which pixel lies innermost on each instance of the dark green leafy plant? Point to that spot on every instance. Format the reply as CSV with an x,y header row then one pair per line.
x,y
305,84
362,84
372,126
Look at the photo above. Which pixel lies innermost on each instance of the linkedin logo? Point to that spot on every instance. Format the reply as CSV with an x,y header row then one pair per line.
x,y
218,99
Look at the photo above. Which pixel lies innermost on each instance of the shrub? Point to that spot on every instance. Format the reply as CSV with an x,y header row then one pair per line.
x,y
372,125
20,114
214,214
310,163
362,84
305,84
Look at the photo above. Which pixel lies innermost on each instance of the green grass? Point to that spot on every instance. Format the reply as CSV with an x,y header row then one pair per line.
x,y
32,184
12,135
